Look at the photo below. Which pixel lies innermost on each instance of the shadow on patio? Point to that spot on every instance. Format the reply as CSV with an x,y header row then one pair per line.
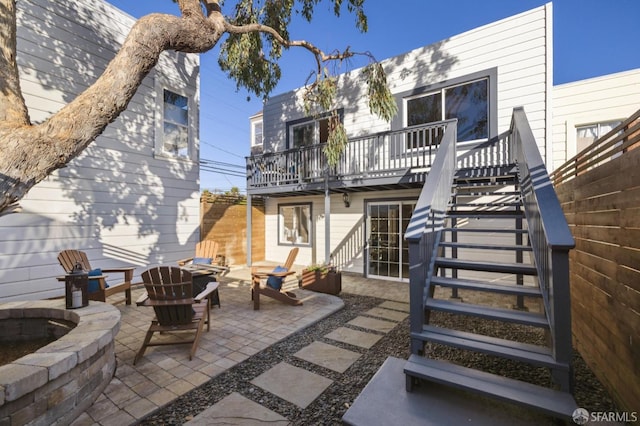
x,y
237,332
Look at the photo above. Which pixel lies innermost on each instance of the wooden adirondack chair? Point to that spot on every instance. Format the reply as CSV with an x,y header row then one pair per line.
x,y
69,258
169,292
260,273
204,250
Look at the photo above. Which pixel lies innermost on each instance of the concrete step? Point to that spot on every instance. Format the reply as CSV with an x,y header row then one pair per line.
x,y
556,403
462,284
488,312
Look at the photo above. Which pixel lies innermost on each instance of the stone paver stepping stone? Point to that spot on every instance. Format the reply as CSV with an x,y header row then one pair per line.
x,y
373,324
235,409
387,314
328,356
354,337
293,384
396,306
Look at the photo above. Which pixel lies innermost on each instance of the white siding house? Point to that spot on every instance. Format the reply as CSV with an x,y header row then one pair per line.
x,y
586,109
508,61
132,197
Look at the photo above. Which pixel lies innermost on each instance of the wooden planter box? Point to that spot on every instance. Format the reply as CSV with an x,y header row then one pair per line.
x,y
329,282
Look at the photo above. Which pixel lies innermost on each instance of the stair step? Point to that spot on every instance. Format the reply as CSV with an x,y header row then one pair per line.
x,y
508,315
550,401
475,265
484,214
484,193
486,172
462,284
489,230
480,182
525,352
483,205
477,246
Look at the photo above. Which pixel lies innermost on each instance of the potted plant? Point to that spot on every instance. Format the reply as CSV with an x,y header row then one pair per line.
x,y
321,278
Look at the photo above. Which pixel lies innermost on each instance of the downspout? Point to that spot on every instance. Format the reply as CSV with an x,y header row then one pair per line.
x,y
249,229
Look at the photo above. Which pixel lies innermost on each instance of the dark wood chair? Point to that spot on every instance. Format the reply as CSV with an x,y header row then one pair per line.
x,y
169,291
69,258
262,273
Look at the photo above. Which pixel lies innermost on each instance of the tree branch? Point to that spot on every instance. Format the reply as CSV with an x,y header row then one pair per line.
x,y
319,54
30,153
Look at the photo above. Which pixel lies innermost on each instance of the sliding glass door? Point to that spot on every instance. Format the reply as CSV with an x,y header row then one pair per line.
x,y
387,251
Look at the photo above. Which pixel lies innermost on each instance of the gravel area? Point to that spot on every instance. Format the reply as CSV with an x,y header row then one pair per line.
x,y
329,408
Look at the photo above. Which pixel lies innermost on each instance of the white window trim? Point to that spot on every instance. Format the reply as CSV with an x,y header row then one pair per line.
x,y
192,155
253,133
281,227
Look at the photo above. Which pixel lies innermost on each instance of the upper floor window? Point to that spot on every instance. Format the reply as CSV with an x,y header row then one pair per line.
x,y
256,133
308,132
175,124
468,102
586,135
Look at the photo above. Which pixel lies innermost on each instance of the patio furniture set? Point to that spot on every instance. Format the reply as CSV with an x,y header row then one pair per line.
x,y
182,296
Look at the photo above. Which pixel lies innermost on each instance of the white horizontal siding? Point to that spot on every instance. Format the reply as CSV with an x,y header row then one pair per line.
x,y
601,99
115,200
519,47
347,226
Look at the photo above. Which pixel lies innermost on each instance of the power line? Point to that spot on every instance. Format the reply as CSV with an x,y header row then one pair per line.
x,y
221,163
220,149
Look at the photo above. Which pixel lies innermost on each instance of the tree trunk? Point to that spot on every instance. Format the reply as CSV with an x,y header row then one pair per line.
x,y
29,153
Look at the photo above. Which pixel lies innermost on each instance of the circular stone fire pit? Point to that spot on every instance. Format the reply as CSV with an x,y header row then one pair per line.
x,y
61,380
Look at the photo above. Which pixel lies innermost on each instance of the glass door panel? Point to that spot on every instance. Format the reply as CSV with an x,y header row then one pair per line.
x,y
388,254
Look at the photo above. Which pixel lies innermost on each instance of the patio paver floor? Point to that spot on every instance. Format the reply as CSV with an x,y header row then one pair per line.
x,y
237,332
328,356
293,384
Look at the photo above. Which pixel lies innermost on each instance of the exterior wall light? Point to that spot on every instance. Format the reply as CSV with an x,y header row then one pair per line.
x,y
346,200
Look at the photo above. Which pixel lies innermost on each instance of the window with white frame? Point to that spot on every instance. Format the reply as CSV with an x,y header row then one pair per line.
x,y
174,137
256,134
468,102
294,224
587,134
308,132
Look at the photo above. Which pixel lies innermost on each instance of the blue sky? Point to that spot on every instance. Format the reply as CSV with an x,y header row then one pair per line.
x,y
590,38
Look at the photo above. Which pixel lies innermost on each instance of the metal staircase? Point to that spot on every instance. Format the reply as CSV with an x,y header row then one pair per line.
x,y
477,231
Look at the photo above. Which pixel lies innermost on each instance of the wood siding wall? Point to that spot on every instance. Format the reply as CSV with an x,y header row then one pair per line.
x,y
226,224
602,206
118,201
519,47
347,228
596,100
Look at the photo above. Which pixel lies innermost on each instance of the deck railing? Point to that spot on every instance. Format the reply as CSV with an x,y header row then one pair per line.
x,y
380,154
549,235
424,229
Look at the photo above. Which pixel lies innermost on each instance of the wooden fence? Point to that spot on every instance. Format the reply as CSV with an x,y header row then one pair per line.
x,y
225,221
599,190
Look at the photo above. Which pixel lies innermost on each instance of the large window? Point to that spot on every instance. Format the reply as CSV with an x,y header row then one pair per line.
x,y
175,124
309,132
294,224
468,102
